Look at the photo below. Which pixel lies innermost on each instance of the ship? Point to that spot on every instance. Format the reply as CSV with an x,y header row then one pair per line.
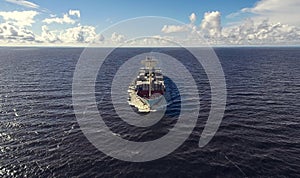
x,y
148,89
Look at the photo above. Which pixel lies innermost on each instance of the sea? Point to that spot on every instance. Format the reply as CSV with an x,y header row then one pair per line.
x,y
259,135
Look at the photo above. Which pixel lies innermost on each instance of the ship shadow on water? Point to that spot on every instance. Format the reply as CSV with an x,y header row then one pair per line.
x,y
173,98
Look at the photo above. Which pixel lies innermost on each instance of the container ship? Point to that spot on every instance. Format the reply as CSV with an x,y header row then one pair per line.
x,y
148,89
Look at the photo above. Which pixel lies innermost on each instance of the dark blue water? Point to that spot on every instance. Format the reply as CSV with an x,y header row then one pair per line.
x,y
258,137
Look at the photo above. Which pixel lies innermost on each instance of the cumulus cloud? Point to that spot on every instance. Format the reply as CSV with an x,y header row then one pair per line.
x,y
24,3
252,31
14,30
271,22
65,19
21,18
48,36
117,38
181,28
262,32
81,34
70,36
74,13
211,24
13,33
193,18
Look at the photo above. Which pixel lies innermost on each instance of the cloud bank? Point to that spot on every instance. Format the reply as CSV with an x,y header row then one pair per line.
x,y
251,31
272,22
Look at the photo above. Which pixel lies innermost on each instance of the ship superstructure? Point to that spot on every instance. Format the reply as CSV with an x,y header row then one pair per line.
x,y
148,88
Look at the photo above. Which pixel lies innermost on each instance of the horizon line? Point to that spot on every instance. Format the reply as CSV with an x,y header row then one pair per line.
x,y
83,46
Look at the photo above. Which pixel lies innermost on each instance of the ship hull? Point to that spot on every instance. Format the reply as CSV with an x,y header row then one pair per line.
x,y
144,104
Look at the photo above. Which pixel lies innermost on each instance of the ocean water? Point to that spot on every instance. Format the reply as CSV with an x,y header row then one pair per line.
x,y
259,135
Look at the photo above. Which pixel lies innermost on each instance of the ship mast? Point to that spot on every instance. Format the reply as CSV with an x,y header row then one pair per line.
x,y
150,78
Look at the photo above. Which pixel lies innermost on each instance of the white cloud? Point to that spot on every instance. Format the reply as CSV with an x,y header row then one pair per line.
x,y
193,18
70,36
272,22
254,31
48,36
80,34
21,18
74,13
275,11
14,29
117,38
65,19
181,28
174,28
261,33
99,38
12,33
152,41
248,32
211,24
24,3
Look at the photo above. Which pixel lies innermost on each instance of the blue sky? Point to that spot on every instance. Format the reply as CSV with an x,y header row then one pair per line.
x,y
99,11
103,13
231,18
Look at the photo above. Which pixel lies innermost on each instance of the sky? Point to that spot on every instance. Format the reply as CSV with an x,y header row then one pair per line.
x,y
110,22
